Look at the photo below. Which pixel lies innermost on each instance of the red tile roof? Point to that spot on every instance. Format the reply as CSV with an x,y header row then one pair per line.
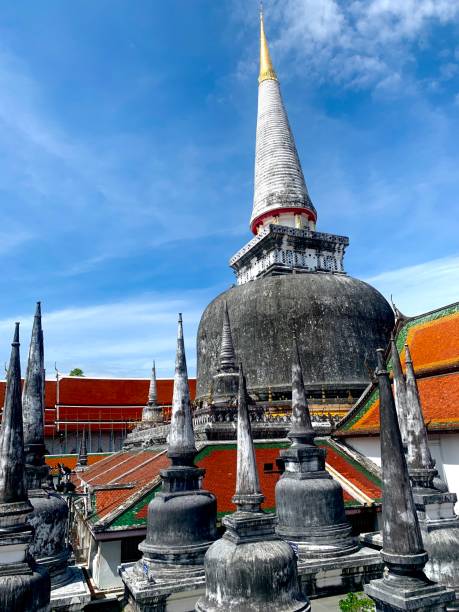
x,y
99,403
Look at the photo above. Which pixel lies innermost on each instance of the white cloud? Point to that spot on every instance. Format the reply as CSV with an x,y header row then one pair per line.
x,y
359,43
115,339
421,288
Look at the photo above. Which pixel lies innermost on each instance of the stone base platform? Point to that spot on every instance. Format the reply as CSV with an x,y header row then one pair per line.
x,y
172,587
332,576
73,595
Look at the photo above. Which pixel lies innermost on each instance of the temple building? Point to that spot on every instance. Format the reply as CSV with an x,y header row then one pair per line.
x,y
292,277
108,409
433,340
275,476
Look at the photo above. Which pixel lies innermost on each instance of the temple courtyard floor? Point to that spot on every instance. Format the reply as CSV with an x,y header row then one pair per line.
x,y
326,604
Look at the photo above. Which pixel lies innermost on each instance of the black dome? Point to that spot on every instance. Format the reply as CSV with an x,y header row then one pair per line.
x,y
339,322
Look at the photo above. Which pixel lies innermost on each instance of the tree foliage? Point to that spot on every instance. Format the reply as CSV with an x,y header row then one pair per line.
x,y
356,602
76,372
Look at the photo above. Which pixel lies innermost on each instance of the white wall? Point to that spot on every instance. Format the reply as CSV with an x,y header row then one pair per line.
x,y
368,446
449,460
105,565
444,449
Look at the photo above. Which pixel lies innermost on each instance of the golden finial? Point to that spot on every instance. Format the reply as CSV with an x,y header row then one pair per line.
x,y
266,67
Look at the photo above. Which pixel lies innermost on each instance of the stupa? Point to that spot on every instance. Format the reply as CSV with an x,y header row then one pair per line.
x,y
152,413
23,585
250,567
181,523
310,509
435,508
290,276
49,518
404,585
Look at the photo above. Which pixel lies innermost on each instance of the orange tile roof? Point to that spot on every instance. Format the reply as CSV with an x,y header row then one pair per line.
x,y
141,469
110,499
433,339
71,460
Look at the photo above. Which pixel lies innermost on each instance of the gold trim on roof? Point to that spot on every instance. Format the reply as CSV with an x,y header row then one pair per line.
x,y
267,71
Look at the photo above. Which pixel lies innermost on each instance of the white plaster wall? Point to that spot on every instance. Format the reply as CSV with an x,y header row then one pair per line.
x,y
448,458
105,565
369,447
444,449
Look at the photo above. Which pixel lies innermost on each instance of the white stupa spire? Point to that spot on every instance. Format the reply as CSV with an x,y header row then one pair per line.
x,y
280,194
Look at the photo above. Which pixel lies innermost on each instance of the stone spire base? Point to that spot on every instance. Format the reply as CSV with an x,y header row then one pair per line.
x,y
439,526
251,565
408,593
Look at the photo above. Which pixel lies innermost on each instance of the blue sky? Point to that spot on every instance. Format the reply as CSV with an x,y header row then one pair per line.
x,y
127,133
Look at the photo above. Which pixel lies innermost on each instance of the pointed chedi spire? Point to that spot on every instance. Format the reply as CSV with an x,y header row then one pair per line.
x,y
227,356
399,389
301,430
421,465
83,452
33,407
152,413
401,534
248,496
404,585
152,395
280,188
182,447
250,567
12,461
22,586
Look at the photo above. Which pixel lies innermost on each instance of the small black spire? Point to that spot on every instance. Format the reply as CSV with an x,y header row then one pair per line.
x,y
227,355
83,452
248,496
421,465
402,538
399,389
12,462
301,431
33,407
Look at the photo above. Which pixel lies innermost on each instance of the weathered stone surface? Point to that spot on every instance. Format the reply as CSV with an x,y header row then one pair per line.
x,y
309,503
83,451
440,533
399,390
33,404
22,585
404,585
279,249
152,413
251,576
181,523
339,322
49,522
27,590
250,568
12,460
182,447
